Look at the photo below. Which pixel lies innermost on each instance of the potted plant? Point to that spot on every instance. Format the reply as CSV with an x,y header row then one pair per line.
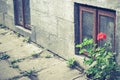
x,y
101,61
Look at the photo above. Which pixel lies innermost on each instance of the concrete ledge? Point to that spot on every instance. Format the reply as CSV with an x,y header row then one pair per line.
x,y
23,31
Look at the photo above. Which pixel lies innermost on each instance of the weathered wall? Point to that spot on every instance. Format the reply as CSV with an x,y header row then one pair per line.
x,y
53,22
1,11
7,13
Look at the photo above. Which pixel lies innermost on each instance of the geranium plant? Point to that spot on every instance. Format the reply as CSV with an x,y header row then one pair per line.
x,y
101,61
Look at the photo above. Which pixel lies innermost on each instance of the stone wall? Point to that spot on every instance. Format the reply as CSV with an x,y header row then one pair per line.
x,y
7,13
53,22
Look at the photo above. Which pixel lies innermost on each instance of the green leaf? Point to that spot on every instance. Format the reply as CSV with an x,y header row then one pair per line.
x,y
98,49
90,41
110,54
89,62
97,75
82,51
84,40
79,45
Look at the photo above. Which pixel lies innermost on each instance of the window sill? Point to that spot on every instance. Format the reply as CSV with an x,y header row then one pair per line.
x,y
23,31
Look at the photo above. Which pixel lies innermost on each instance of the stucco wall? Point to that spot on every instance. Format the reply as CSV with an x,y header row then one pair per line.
x,y
53,22
7,13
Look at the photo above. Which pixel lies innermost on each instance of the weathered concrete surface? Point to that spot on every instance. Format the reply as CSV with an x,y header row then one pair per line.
x,y
63,72
24,78
47,66
55,26
6,72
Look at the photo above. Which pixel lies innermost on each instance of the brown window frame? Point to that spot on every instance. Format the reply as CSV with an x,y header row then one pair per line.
x,y
108,14
96,12
22,13
86,9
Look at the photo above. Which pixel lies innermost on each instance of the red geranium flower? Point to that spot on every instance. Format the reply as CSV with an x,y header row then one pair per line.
x,y
101,36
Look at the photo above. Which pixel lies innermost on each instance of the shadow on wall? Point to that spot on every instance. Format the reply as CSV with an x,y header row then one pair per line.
x,y
77,27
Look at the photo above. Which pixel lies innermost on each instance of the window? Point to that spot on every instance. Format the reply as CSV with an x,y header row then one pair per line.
x,y
106,24
89,21
22,13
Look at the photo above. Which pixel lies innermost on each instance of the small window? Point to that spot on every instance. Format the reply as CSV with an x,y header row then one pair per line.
x,y
106,24
93,20
87,23
22,13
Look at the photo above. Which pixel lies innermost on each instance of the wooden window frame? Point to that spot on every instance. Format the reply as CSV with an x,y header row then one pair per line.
x,y
17,22
96,12
86,9
108,14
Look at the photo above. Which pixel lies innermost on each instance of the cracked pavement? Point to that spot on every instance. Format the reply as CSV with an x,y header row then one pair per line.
x,y
27,61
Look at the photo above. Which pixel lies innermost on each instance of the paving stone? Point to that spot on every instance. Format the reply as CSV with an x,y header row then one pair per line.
x,y
80,77
9,42
24,78
6,72
11,45
46,54
62,71
48,66
38,63
24,51
2,30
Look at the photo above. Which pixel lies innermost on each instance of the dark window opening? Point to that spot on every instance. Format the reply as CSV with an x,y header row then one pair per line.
x,y
89,21
22,13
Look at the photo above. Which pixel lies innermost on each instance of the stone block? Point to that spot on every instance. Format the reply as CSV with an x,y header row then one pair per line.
x,y
65,29
38,64
98,3
10,8
69,48
49,24
39,5
63,9
63,73
25,51
35,18
9,22
6,72
23,31
33,34
3,6
42,37
1,18
57,45
24,78
64,48
52,7
44,22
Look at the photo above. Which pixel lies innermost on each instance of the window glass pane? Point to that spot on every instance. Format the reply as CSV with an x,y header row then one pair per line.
x,y
19,11
87,24
107,26
26,5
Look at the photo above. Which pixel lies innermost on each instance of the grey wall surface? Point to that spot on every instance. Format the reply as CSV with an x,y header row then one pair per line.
x,y
7,13
53,22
